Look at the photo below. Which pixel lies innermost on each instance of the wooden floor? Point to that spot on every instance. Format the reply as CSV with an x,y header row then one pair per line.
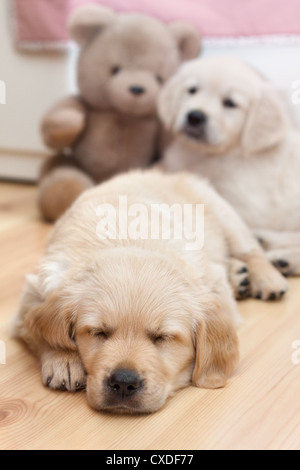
x,y
259,409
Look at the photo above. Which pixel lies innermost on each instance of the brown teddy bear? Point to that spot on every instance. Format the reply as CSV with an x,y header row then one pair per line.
x,y
112,125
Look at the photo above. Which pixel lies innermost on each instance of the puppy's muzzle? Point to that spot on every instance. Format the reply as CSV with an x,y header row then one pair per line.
x,y
196,124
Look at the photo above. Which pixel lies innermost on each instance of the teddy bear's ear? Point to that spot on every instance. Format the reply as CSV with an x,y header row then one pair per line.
x,y
87,21
188,40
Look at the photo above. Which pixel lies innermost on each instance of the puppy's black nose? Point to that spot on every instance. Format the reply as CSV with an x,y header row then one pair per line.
x,y
196,118
137,90
125,382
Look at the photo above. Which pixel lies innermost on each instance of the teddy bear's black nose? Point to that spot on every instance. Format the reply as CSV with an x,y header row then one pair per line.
x,y
137,90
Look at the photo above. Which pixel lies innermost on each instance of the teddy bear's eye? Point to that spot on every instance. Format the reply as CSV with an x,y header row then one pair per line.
x,y
159,79
115,70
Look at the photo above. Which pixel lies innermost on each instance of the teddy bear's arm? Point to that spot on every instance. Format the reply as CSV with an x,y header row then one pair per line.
x,y
64,123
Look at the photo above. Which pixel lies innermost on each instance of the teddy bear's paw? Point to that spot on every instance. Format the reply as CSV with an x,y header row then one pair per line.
x,y
63,127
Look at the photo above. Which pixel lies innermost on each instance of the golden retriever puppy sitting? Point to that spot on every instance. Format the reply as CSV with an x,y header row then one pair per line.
x,y
132,315
230,125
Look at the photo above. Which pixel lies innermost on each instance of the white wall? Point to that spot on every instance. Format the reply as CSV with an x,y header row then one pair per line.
x,y
278,60
34,81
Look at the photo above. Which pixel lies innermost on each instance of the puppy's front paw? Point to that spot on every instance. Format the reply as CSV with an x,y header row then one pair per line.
x,y
63,370
239,279
268,285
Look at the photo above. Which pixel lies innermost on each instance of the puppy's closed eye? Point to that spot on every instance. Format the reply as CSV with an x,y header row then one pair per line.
x,y
159,338
99,333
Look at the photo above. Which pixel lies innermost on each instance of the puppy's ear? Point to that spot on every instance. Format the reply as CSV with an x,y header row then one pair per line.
x,y
168,102
53,321
266,125
31,298
216,349
89,20
187,38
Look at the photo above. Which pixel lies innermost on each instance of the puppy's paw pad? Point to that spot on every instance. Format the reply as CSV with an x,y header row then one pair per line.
x,y
239,279
283,266
63,371
242,270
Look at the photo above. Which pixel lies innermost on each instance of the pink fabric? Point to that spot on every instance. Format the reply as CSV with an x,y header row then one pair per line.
x,y
41,20
45,20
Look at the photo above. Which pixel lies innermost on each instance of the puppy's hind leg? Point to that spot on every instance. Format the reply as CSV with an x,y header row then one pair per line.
x,y
265,280
272,240
283,250
286,260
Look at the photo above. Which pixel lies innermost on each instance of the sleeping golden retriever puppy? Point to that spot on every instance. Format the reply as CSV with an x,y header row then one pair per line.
x,y
231,126
136,318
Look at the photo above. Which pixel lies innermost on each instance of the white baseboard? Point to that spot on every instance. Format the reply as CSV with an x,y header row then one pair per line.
x,y
20,166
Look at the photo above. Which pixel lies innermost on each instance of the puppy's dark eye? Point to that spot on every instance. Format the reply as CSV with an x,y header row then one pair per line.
x,y
229,103
115,70
159,79
193,90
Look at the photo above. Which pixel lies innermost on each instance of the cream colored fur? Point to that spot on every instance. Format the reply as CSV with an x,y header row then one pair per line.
x,y
149,306
249,152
